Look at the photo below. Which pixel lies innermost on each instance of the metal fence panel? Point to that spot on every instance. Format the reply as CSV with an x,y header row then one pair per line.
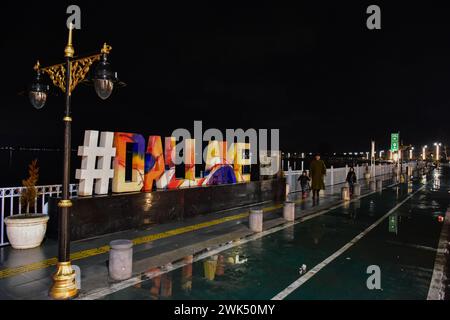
x,y
10,204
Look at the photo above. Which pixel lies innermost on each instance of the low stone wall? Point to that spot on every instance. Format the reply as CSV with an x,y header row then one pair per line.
x,y
99,215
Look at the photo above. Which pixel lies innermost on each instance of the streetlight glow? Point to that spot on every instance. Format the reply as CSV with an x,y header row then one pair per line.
x,y
437,145
411,153
424,156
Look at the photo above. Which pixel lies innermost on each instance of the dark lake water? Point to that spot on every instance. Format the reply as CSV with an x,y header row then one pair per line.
x,y
14,164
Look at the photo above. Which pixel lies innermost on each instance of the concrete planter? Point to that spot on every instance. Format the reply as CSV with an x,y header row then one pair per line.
x,y
26,232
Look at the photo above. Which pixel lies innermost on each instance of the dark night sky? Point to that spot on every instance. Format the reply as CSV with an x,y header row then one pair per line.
x,y
312,70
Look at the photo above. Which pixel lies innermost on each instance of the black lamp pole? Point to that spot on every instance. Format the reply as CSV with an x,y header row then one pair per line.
x,y
66,76
64,242
64,286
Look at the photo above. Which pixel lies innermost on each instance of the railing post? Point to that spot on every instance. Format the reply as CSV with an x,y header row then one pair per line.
x,y
332,175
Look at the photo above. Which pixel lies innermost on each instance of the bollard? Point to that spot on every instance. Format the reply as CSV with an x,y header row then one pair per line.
x,y
289,211
379,185
345,193
356,189
367,175
256,220
372,185
121,259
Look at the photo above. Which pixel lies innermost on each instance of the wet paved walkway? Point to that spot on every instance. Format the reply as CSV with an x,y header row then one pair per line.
x,y
266,264
398,231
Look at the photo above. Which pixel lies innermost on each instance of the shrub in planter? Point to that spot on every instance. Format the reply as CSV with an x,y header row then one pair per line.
x,y
27,230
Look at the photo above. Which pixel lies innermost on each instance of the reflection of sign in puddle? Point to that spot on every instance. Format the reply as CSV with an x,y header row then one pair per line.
x,y
209,267
186,274
288,234
393,223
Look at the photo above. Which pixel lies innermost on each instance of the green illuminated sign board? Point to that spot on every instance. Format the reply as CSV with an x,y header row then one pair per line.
x,y
394,141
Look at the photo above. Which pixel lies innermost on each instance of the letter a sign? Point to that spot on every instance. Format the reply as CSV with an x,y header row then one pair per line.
x,y
394,142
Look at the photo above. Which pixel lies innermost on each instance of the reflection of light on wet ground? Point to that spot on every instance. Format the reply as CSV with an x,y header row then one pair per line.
x,y
397,192
186,274
148,201
393,223
288,234
436,180
346,207
372,208
210,266
357,204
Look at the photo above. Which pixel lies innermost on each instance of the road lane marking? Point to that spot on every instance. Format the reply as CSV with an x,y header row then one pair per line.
x,y
437,284
311,273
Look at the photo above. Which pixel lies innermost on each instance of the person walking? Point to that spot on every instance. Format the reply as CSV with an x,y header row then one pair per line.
x,y
304,183
351,179
317,171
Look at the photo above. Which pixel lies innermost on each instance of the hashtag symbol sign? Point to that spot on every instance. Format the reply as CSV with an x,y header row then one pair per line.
x,y
95,162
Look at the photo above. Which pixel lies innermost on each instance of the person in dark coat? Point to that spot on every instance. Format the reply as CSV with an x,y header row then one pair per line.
x,y
317,171
304,183
351,179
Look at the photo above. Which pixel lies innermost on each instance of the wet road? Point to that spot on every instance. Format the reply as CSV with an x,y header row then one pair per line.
x,y
396,231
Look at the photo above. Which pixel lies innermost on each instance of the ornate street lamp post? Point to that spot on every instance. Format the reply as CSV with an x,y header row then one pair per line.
x,y
66,77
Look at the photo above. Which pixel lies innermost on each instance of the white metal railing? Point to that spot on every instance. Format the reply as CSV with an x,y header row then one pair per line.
x,y
336,176
10,204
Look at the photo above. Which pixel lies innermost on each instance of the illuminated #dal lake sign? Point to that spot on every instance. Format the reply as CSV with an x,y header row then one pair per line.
x,y
153,165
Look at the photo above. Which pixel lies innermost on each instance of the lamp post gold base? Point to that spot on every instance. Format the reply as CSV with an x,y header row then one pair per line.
x,y
64,286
